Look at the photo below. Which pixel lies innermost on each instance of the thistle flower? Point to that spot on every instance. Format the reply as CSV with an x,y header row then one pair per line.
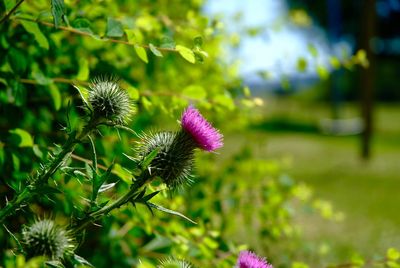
x,y
45,238
203,133
174,263
248,259
108,101
175,159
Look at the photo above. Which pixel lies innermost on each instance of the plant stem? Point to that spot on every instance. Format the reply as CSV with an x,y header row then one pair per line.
x,y
135,188
11,11
29,192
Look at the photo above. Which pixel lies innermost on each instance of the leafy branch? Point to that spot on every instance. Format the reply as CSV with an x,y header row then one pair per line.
x,y
83,33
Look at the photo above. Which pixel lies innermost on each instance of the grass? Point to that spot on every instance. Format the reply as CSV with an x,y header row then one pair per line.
x,y
368,192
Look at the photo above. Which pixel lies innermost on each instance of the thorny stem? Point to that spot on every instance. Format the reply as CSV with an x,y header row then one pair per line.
x,y
30,191
76,31
80,225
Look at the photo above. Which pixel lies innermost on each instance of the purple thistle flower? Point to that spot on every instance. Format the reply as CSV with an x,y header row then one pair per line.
x,y
204,134
248,259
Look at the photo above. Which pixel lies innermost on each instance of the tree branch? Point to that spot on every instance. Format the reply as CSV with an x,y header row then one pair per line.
x,y
11,11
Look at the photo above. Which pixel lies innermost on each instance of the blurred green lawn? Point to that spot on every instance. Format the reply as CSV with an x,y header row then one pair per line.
x,y
368,192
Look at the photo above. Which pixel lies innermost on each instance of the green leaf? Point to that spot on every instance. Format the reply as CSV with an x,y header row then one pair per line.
x,y
150,157
322,72
154,50
141,52
195,92
114,28
169,211
82,261
56,96
33,28
224,101
58,11
84,93
54,264
82,25
17,60
313,50
83,73
122,173
198,41
167,42
186,53
25,139
393,254
302,64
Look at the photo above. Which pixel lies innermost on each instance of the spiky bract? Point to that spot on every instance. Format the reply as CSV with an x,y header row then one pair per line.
x,y
174,161
109,101
46,238
174,263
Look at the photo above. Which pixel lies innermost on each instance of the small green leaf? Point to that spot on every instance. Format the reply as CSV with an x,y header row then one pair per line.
x,y
167,42
17,60
302,64
82,25
82,261
114,28
169,211
224,101
154,50
322,72
83,73
186,53
313,50
150,157
25,139
33,28
142,54
195,92
56,96
58,11
393,254
198,41
84,93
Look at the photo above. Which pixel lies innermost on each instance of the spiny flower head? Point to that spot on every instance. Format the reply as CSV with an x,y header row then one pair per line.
x,y
204,134
174,160
109,101
248,259
45,238
174,263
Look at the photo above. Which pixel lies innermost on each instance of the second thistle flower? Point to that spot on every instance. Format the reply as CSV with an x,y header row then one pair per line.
x,y
175,158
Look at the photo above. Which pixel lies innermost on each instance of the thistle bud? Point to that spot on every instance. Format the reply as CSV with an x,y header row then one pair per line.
x,y
174,263
45,238
175,158
108,101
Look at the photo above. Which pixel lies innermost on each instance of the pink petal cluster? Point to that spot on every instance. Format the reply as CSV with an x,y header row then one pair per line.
x,y
248,259
204,134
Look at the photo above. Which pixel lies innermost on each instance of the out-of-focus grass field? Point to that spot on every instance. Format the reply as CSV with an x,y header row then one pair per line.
x,y
367,192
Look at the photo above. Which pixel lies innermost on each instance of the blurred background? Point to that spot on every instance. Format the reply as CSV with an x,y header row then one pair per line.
x,y
305,93
337,128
